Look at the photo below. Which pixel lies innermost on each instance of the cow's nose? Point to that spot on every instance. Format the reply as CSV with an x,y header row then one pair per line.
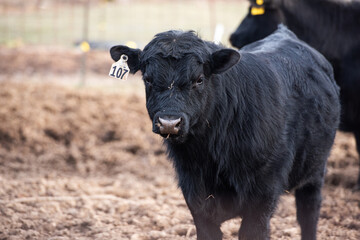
x,y
169,125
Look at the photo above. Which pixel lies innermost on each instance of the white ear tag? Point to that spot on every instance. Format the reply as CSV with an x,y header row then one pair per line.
x,y
120,69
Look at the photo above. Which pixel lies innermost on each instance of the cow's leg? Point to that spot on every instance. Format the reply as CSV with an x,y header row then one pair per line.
x,y
357,138
255,223
308,202
206,229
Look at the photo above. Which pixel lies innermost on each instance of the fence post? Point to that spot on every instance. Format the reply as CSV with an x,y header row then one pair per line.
x,y
212,11
6,34
85,45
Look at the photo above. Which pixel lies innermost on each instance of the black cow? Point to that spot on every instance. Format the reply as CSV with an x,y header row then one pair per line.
x,y
332,27
241,127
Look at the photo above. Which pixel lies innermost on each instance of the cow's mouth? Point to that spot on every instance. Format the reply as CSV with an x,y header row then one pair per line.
x,y
174,138
167,136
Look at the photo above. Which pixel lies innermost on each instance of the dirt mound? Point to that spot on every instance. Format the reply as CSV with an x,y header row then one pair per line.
x,y
84,164
28,61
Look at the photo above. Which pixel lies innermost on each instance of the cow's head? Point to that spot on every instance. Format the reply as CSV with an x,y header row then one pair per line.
x,y
262,19
178,69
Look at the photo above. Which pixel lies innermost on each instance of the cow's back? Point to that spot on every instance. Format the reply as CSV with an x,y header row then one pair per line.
x,y
293,61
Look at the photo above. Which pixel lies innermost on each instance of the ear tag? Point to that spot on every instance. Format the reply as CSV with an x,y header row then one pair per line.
x,y
259,2
257,11
120,69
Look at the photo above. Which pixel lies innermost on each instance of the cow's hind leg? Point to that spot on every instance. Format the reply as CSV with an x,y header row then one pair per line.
x,y
357,138
308,202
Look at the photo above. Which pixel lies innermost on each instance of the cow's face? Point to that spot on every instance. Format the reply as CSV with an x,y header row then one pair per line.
x,y
178,82
260,22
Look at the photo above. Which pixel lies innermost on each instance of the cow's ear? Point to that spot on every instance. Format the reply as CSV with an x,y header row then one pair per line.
x,y
223,60
133,56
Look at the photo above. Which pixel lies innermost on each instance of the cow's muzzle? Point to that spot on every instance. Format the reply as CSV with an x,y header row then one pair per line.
x,y
170,125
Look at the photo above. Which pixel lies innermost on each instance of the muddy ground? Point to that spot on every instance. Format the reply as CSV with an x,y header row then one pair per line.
x,y
82,163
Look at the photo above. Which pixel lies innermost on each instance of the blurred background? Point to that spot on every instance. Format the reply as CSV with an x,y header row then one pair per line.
x,y
78,159
64,22
63,30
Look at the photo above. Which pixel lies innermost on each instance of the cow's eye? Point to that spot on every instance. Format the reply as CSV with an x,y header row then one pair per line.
x,y
200,80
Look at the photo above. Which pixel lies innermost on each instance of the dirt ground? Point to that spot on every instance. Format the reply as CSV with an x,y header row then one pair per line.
x,y
82,163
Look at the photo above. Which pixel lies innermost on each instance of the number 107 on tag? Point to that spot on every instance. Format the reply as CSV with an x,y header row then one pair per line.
x,y
118,72
120,69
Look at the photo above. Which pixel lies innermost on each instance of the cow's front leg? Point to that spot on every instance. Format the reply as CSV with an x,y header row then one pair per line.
x,y
255,223
206,228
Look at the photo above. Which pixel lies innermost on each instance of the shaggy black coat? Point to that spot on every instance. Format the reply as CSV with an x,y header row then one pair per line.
x,y
331,27
252,124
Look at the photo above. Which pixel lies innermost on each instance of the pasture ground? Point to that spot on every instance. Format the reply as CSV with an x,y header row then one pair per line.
x,y
82,162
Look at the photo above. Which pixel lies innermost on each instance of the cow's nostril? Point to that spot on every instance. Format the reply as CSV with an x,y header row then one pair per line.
x,y
169,126
178,124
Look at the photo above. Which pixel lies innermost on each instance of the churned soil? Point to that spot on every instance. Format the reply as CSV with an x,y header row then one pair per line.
x,y
82,163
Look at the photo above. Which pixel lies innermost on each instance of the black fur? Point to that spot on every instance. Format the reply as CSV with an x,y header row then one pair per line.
x,y
331,27
250,129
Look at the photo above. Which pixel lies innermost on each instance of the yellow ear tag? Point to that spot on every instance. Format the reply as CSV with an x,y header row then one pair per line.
x,y
257,11
85,46
259,2
120,69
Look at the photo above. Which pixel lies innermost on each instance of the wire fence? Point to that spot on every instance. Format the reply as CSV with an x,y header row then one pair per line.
x,y
103,22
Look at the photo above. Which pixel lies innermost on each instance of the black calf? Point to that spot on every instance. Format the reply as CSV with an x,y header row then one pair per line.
x,y
241,127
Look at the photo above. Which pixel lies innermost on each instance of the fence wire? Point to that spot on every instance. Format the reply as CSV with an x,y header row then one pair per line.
x,y
104,22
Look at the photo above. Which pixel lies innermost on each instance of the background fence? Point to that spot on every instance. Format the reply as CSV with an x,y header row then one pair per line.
x,y
102,22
